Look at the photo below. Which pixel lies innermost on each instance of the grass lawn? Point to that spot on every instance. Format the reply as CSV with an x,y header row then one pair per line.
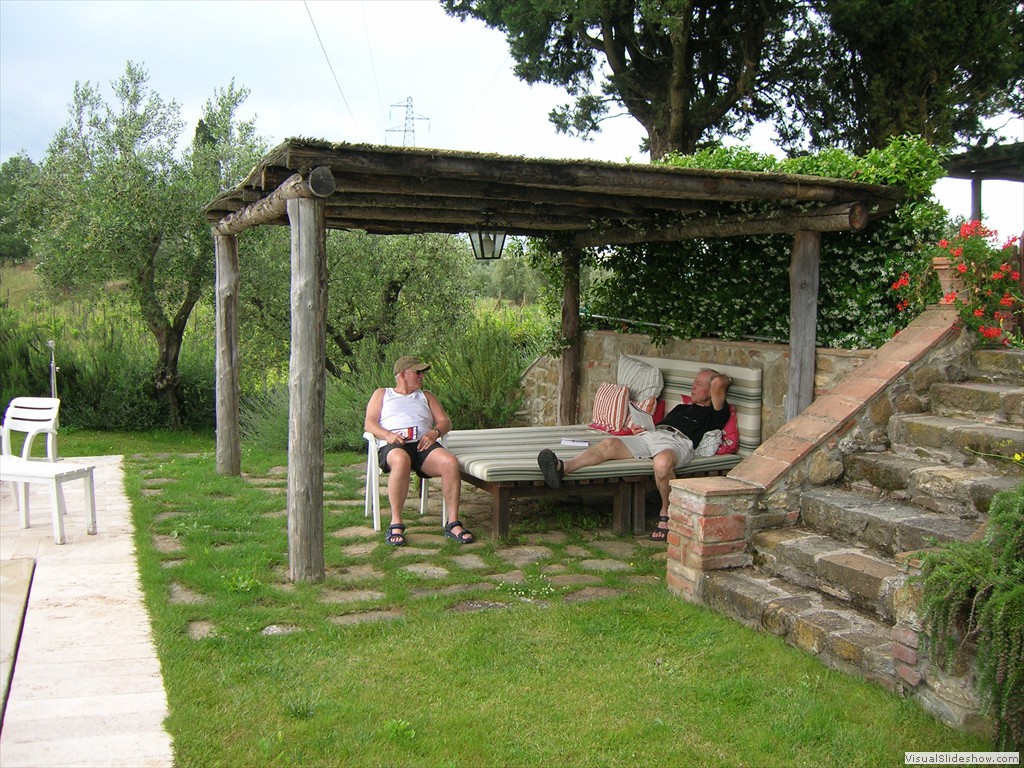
x,y
466,664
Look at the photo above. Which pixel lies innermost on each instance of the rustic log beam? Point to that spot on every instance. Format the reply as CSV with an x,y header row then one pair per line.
x,y
228,387
837,218
803,320
270,209
668,181
569,375
306,390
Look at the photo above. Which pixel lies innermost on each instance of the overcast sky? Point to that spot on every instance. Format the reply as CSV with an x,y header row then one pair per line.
x,y
382,53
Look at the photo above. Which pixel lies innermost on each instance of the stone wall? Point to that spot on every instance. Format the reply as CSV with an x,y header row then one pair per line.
x,y
601,350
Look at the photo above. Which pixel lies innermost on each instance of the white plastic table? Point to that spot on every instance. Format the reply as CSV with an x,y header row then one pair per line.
x,y
54,473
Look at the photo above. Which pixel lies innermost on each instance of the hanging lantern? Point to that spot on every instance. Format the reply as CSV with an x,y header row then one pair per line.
x,y
487,244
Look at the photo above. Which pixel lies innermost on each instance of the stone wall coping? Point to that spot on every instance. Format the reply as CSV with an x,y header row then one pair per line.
x,y
829,412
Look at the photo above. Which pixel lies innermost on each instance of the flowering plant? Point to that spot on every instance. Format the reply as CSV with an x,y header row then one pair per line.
x,y
981,277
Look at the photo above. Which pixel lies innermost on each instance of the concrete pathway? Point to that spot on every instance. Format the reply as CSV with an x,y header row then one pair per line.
x,y
86,687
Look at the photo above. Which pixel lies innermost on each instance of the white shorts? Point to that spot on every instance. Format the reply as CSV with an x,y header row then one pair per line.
x,y
647,445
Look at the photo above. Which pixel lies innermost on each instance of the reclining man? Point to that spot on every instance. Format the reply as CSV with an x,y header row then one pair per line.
x,y
670,445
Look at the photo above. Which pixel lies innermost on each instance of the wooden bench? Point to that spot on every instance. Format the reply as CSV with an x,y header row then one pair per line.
x,y
503,462
22,472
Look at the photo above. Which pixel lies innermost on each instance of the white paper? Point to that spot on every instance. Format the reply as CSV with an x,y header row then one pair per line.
x,y
574,443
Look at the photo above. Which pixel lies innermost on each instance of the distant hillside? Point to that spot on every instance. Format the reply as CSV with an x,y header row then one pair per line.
x,y
18,283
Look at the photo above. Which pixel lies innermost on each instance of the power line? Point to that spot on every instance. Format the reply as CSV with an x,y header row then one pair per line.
x,y
330,66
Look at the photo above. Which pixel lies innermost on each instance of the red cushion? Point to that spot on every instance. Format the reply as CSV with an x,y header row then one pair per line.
x,y
611,409
730,432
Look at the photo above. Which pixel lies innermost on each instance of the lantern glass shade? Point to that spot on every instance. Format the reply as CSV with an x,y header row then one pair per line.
x,y
487,246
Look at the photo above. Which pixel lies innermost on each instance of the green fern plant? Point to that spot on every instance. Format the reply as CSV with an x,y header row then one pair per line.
x,y
974,591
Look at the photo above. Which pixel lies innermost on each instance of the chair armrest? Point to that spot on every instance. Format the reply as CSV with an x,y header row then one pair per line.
x,y
51,443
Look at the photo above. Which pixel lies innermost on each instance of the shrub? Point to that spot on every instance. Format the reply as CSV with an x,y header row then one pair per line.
x,y
477,379
974,591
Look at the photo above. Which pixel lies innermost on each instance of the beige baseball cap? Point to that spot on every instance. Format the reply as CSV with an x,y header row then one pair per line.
x,y
410,363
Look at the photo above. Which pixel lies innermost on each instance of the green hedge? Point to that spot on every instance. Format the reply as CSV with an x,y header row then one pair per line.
x,y
739,287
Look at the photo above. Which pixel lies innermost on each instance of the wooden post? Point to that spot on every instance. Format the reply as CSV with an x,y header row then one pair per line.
x,y
306,383
229,440
803,320
976,199
569,376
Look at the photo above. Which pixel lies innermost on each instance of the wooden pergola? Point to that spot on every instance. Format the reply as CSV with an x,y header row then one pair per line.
x,y
313,186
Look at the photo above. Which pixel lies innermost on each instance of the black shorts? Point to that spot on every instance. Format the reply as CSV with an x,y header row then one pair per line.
x,y
417,456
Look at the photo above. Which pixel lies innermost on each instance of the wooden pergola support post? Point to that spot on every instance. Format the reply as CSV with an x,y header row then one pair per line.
x,y
319,183
803,320
229,440
569,375
306,386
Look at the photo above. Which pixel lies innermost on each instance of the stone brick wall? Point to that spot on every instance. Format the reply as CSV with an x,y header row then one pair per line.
x,y
601,350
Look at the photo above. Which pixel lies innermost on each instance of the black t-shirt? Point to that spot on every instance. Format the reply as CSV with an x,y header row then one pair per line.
x,y
694,420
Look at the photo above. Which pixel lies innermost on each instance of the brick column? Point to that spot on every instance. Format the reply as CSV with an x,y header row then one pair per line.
x,y
707,530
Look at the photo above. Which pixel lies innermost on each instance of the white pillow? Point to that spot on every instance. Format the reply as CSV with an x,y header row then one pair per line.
x,y
644,381
709,443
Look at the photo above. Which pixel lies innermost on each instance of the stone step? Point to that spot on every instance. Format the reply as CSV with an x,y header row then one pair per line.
x,y
957,441
883,525
1005,366
988,403
965,492
844,571
836,634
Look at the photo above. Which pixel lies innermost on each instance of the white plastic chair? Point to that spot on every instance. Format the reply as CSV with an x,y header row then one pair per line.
x,y
32,416
373,490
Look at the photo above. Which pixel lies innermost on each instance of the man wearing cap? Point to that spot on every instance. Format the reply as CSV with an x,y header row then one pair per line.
x,y
408,423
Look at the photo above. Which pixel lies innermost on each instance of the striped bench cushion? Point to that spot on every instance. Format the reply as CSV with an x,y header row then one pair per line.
x,y
509,454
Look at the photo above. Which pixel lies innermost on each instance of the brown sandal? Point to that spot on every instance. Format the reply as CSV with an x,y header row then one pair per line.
x,y
659,533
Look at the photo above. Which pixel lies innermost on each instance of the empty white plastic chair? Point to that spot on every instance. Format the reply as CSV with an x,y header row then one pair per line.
x,y
33,416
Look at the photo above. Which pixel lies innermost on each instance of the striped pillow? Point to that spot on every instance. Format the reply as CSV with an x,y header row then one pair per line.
x,y
611,408
644,381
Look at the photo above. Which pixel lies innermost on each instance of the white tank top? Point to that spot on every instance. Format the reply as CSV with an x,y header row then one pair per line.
x,y
399,411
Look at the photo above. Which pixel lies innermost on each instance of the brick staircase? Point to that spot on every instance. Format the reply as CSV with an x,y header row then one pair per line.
x,y
835,585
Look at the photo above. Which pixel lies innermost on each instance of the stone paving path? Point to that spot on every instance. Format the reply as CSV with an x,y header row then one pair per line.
x,y
86,689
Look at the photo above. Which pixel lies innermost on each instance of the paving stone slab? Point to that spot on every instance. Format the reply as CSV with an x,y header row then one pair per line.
x,y
478,605
280,629
355,573
587,594
452,589
525,555
361,617
362,549
574,579
357,532
470,562
200,630
350,595
426,570
620,549
184,596
604,565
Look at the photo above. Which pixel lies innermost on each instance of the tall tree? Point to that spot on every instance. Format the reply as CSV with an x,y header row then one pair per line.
x,y
863,71
119,204
689,71
17,176
406,290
